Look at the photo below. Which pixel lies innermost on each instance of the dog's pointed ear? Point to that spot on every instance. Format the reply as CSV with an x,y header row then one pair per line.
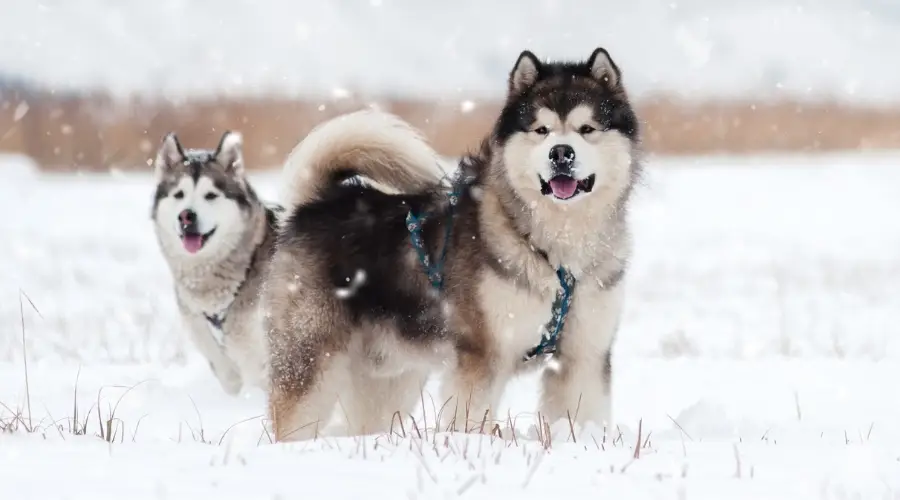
x,y
604,69
525,73
230,152
169,154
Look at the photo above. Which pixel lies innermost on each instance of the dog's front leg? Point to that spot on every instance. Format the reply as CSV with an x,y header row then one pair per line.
x,y
579,387
222,366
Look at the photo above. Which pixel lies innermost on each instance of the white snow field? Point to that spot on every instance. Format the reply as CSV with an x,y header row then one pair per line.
x,y
759,356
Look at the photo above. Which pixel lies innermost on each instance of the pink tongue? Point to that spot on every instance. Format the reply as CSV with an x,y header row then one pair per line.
x,y
563,187
192,242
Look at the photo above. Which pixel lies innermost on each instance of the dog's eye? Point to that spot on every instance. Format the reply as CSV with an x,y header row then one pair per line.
x,y
542,130
211,196
586,129
178,194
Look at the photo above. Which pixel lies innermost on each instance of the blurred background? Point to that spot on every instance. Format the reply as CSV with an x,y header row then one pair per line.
x,y
766,272
760,227
95,84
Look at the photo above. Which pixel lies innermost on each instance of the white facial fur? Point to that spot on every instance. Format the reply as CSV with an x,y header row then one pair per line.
x,y
212,208
572,231
605,154
222,214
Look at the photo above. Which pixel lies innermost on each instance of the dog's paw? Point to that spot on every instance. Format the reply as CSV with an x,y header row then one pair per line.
x,y
232,383
229,378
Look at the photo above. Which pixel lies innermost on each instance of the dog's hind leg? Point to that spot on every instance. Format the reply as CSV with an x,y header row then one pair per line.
x,y
304,383
306,346
380,404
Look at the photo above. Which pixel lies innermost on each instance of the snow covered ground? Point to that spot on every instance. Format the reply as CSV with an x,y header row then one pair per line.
x,y
812,49
759,353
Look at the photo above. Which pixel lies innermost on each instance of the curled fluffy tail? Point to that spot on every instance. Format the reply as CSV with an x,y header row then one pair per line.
x,y
376,145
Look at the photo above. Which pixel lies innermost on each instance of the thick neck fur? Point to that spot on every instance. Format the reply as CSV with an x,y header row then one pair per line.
x,y
589,238
208,283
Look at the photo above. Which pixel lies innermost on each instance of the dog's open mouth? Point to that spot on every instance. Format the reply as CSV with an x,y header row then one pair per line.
x,y
193,242
565,187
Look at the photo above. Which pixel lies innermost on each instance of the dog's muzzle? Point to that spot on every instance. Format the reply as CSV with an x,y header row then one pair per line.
x,y
191,237
562,157
563,184
187,221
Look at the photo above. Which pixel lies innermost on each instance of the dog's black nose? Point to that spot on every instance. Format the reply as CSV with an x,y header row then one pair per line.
x,y
562,155
187,219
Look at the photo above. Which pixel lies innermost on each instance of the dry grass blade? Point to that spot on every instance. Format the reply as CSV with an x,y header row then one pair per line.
x,y
55,423
680,427
232,426
201,436
424,415
25,357
598,445
572,424
497,431
647,440
113,424
416,428
548,436
398,418
619,439
539,428
100,417
512,427
637,447
137,426
484,420
12,425
74,425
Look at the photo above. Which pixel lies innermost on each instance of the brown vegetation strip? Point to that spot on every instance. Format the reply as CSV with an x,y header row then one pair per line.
x,y
95,133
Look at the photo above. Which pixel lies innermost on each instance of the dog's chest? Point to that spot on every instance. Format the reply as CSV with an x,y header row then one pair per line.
x,y
205,299
514,315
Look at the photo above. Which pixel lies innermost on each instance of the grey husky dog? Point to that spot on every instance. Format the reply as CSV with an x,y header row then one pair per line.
x,y
217,237
517,262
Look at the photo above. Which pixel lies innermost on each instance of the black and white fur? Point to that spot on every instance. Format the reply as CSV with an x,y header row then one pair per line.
x,y
217,237
548,188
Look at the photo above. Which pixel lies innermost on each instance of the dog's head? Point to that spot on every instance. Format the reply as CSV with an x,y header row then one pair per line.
x,y
203,202
567,133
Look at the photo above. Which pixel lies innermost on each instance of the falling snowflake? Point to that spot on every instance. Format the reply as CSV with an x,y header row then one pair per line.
x,y
359,279
21,111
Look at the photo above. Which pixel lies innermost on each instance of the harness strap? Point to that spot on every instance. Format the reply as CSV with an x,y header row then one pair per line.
x,y
216,320
550,332
415,223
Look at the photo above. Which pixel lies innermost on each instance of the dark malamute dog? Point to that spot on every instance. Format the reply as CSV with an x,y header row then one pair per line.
x,y
520,258
217,237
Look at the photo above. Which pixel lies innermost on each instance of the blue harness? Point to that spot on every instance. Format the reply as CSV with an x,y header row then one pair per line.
x,y
414,223
550,332
558,312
